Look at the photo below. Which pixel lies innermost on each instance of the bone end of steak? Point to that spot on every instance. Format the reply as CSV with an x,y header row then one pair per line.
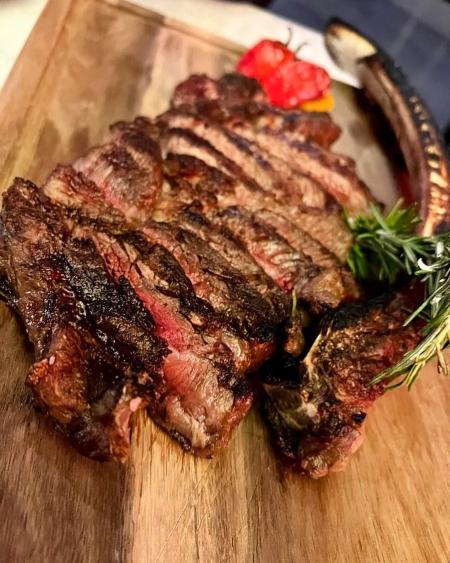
x,y
316,408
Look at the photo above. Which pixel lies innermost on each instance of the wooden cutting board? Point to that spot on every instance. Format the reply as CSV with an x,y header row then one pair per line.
x,y
89,63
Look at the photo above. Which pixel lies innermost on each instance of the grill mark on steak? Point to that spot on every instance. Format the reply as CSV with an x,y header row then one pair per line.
x,y
81,198
316,408
291,270
127,168
275,176
221,240
248,355
326,226
79,379
235,98
119,316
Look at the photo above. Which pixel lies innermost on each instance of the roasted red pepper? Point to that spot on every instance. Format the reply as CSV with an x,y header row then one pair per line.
x,y
262,59
296,82
287,81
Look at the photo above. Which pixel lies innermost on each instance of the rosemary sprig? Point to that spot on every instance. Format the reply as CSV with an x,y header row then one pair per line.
x,y
385,248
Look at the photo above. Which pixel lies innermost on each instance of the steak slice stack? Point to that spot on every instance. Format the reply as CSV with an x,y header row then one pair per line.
x,y
171,262
211,344
236,99
94,356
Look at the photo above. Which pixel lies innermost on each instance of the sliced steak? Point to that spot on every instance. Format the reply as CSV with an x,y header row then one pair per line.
x,y
235,98
316,408
248,353
293,271
81,198
222,241
81,378
274,175
190,179
202,398
127,168
326,226
340,276
200,395
336,174
240,306
231,89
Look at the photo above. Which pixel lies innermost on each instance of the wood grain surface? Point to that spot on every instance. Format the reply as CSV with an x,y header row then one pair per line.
x,y
89,63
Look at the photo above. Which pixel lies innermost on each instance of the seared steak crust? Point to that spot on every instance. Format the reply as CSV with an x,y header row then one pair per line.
x,y
213,279
235,98
335,173
127,169
274,175
326,226
283,251
82,377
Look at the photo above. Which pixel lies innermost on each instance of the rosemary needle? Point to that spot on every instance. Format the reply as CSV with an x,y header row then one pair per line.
x,y
386,247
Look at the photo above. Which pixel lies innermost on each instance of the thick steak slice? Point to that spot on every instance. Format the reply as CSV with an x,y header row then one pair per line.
x,y
235,98
127,168
248,352
326,226
316,408
274,175
80,378
335,173
81,198
340,276
201,399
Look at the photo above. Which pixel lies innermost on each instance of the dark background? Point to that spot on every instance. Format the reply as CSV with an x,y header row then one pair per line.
x,y
416,33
